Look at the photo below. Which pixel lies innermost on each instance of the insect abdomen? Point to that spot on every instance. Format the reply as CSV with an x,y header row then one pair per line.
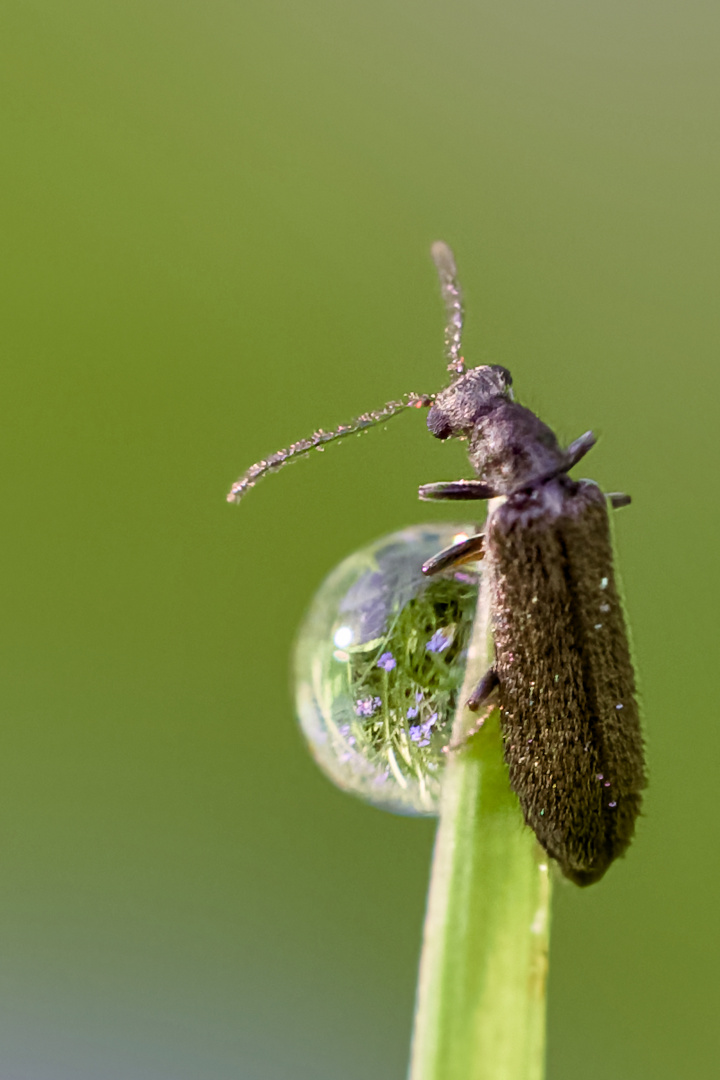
x,y
567,690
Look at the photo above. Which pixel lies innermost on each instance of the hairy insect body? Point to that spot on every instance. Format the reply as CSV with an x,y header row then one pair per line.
x,y
566,687
512,445
507,443
562,672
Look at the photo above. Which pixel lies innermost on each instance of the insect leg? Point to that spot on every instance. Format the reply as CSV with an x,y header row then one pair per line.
x,y
487,686
575,451
579,448
465,551
484,689
618,499
477,726
456,490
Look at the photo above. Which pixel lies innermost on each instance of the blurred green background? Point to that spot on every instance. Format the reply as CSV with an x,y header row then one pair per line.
x,y
216,223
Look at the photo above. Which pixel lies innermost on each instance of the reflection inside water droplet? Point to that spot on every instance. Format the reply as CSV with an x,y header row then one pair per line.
x,y
379,663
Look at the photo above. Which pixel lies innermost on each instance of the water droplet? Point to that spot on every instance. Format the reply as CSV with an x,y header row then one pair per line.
x,y
374,702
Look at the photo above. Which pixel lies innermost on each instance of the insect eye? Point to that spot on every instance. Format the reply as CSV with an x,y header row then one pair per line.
x,y
438,423
504,376
379,664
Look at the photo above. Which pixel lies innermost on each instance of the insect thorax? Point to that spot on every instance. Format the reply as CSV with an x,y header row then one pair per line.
x,y
510,445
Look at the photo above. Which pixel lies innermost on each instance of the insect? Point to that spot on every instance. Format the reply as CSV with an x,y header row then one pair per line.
x,y
562,676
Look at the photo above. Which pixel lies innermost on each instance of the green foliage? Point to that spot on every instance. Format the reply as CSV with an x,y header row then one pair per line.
x,y
426,643
481,997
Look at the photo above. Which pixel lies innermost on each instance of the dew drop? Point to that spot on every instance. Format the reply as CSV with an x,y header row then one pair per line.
x,y
379,663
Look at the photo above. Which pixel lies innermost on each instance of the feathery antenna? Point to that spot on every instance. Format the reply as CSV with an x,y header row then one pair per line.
x,y
452,298
318,440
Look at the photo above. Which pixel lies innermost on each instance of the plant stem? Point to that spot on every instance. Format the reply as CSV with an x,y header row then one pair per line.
x,y
480,1011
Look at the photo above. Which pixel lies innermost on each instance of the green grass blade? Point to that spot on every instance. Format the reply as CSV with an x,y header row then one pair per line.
x,y
481,997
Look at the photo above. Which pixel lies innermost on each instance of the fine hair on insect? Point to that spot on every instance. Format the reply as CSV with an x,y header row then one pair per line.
x,y
562,677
